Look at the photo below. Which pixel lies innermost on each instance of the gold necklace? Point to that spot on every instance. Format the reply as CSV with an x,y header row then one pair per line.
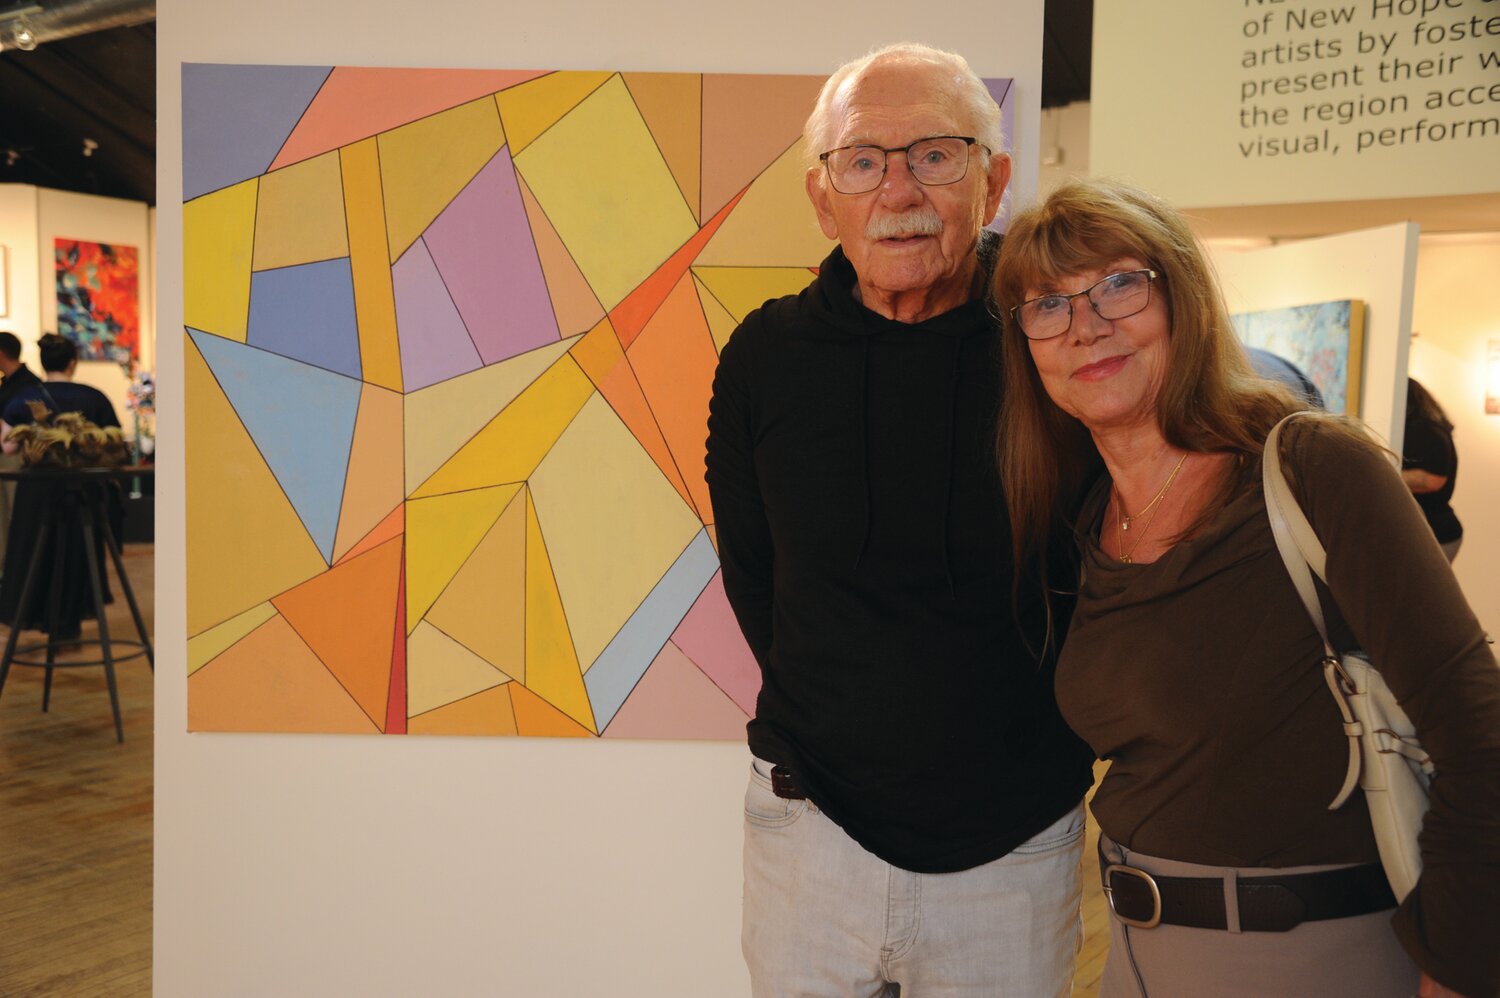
x,y
1148,511
1125,520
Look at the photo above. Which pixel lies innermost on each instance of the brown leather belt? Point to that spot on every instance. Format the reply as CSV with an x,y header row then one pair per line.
x,y
1266,904
784,784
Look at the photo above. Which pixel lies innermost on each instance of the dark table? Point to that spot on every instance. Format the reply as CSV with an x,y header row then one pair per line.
x,y
79,496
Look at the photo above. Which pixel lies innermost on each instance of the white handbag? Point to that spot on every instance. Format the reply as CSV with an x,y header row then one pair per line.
x,y
1384,755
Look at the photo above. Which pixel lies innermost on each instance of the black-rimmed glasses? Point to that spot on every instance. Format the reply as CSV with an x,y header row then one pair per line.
x,y
935,162
1117,296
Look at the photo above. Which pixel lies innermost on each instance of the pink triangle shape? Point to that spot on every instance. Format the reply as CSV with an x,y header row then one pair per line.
x,y
675,700
356,102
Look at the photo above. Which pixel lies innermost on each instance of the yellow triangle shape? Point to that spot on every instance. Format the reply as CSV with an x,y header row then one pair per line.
x,y
510,447
438,420
743,289
484,607
672,106
425,164
533,107
208,645
439,671
772,223
552,671
720,323
440,535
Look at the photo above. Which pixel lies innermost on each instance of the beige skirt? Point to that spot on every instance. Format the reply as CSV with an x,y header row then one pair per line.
x,y
1357,957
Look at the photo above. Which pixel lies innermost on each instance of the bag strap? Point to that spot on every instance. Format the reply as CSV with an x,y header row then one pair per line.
x,y
1295,537
1303,555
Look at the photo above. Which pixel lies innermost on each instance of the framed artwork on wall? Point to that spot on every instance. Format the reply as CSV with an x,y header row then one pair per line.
x,y
98,298
1325,341
450,340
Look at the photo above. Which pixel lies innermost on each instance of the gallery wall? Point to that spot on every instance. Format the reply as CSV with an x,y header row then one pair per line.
x,y
1275,102
1453,324
375,865
31,220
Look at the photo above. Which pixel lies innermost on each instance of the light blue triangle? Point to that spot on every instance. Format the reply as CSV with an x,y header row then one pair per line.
x,y
302,419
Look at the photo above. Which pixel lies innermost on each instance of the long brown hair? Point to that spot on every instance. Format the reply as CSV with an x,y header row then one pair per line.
x,y
1210,398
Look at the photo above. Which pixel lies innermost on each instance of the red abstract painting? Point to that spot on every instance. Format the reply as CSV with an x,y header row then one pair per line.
x,y
98,299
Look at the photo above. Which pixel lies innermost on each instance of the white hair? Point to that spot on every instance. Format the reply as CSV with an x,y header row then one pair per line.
x,y
977,109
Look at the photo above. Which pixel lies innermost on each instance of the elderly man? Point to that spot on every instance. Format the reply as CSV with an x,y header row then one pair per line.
x,y
913,822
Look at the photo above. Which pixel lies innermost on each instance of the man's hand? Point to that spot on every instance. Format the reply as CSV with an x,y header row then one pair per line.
x,y
1420,481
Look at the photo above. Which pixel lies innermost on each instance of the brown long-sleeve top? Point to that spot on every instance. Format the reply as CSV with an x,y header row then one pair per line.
x,y
1198,676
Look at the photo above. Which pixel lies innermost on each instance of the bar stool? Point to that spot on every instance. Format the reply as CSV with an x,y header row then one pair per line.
x,y
79,504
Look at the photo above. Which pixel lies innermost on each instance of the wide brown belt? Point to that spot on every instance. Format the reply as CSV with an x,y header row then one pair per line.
x,y
1266,904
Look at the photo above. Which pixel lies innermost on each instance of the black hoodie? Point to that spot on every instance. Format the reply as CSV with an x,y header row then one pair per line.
x,y
866,554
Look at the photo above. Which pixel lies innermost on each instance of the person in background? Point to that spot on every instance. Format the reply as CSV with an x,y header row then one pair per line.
x,y
913,820
1277,368
1191,663
16,376
1429,465
59,394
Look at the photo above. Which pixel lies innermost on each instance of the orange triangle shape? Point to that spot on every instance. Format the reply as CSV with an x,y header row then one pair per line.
x,y
393,525
673,361
271,681
631,315
598,352
574,303
538,718
346,616
487,712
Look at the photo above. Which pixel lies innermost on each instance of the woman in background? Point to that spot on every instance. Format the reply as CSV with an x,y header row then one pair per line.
x,y
1192,665
1429,465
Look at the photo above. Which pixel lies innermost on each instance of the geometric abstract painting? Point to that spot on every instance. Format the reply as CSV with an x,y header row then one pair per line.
x,y
450,341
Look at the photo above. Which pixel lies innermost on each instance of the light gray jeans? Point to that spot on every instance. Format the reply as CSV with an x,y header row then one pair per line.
x,y
823,917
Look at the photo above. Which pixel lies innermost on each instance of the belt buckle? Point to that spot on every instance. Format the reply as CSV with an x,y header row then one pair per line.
x,y
1109,893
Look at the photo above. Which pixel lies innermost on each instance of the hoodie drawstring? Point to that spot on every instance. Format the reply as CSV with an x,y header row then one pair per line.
x,y
863,444
947,525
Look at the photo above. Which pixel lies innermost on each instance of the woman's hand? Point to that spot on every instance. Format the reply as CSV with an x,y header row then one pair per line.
x,y
1432,989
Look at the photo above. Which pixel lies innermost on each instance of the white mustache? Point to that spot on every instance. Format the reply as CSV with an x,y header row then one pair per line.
x,y
923,221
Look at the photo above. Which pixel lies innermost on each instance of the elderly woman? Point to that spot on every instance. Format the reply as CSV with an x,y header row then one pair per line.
x,y
1192,666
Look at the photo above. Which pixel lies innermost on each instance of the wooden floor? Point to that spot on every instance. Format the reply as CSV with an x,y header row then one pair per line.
x,y
75,830
75,821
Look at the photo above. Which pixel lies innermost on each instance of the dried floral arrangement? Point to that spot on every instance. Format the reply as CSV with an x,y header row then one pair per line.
x,y
67,440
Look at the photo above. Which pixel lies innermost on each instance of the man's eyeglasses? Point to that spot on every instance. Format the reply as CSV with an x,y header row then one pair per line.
x,y
1117,296
935,162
